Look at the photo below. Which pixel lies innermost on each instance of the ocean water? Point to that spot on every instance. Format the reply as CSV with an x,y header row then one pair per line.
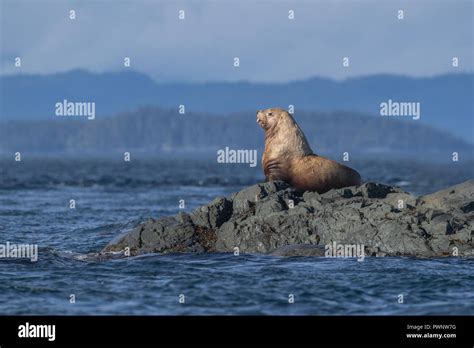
x,y
112,196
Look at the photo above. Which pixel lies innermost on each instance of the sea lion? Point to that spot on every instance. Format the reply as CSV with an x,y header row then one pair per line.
x,y
288,157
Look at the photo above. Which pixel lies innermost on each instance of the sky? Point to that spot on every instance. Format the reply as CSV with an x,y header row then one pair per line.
x,y
270,46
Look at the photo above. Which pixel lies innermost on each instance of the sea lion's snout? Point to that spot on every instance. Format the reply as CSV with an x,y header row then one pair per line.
x,y
261,118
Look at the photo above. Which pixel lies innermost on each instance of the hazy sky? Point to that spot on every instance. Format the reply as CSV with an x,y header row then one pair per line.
x,y
270,46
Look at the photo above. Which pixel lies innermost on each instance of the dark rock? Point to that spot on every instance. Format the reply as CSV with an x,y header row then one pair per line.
x,y
467,208
167,234
273,218
373,190
214,214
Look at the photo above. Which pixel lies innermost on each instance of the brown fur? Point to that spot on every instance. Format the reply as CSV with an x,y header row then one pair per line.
x,y
289,157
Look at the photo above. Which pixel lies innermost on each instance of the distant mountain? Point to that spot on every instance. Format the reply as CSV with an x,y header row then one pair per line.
x,y
446,100
155,131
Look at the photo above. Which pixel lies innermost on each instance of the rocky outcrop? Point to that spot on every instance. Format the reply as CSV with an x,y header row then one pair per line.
x,y
273,218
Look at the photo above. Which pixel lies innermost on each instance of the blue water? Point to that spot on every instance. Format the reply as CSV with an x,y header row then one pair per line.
x,y
112,196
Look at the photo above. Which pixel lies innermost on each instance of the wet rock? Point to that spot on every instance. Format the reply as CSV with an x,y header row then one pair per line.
x,y
272,218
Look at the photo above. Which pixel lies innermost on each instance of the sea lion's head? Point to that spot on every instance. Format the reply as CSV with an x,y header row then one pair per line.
x,y
269,118
283,133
